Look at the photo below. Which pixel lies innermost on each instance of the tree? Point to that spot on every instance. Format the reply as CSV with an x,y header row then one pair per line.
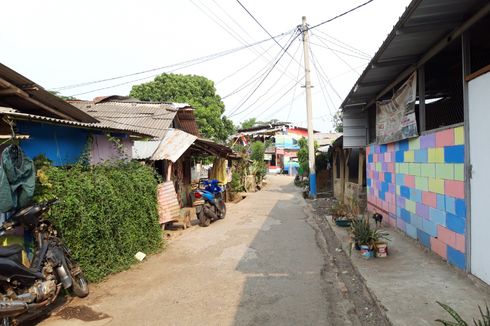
x,y
337,120
303,156
199,92
249,123
63,97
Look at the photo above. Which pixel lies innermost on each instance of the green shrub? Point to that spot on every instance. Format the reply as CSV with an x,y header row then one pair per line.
x,y
106,213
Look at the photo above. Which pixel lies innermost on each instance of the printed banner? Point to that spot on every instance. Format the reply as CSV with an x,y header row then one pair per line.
x,y
395,118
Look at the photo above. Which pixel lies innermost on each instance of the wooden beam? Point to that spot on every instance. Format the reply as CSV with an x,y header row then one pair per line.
x,y
361,167
19,92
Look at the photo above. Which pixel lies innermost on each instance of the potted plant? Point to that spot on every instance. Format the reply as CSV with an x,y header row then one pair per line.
x,y
379,241
367,239
339,213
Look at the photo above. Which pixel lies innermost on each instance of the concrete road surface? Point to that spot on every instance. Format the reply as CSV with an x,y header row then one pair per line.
x,y
266,263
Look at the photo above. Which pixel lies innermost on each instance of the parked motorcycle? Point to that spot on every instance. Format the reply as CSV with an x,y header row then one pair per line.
x,y
26,291
209,202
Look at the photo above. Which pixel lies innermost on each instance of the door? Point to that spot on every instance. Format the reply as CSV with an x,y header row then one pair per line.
x,y
479,118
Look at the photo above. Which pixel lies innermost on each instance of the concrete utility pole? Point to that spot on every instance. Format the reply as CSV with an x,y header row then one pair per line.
x,y
309,113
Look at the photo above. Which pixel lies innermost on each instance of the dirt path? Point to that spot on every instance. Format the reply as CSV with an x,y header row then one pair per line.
x,y
267,263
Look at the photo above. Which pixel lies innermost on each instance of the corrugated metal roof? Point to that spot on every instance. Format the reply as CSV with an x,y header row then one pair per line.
x,y
171,147
326,138
423,24
187,121
15,115
26,96
168,204
149,118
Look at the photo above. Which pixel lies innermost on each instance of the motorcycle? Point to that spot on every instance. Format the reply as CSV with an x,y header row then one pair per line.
x,y
26,291
209,202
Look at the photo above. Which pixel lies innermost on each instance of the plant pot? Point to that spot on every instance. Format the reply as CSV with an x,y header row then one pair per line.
x,y
366,252
343,223
381,249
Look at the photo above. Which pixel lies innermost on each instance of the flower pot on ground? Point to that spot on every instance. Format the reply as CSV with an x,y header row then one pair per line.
x,y
381,249
366,237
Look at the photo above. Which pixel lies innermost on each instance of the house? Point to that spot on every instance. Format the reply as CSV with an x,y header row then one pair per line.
x,y
174,141
419,111
45,124
281,154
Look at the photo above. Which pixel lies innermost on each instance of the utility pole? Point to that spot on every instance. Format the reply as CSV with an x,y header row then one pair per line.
x,y
309,113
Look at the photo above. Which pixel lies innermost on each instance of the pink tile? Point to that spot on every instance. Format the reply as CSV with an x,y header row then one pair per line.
x,y
447,236
368,149
454,188
438,247
445,138
392,209
381,177
391,167
460,244
375,158
410,181
429,199
387,157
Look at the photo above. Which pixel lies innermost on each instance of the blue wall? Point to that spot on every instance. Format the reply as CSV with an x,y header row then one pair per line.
x,y
62,145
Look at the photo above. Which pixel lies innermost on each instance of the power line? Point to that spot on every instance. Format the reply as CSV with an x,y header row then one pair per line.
x,y
340,15
265,77
342,44
340,58
265,30
339,51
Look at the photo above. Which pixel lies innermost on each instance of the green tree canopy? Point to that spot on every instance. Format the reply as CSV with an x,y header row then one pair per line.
x,y
338,122
249,123
199,92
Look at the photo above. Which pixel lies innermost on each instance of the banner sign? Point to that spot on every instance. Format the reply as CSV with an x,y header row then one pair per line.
x,y
395,118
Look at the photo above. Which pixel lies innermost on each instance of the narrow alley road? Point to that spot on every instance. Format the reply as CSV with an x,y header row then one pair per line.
x,y
265,264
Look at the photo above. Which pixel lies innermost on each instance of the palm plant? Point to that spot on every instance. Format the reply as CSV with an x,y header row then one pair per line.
x,y
484,321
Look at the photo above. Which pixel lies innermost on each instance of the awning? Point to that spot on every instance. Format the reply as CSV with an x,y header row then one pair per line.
x,y
171,147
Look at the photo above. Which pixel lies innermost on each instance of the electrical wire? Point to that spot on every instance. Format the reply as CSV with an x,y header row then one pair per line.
x,y
341,43
341,15
340,58
341,52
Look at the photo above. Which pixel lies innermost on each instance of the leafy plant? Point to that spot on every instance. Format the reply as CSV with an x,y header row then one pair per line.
x,y
363,234
338,210
259,168
458,320
106,213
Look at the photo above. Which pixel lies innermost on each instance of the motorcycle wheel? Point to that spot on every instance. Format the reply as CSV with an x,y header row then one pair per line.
x,y
203,219
79,283
222,213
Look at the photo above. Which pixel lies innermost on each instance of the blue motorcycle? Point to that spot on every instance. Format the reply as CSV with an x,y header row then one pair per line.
x,y
209,202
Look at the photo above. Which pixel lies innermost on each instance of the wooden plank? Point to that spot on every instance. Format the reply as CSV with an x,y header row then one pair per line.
x,y
477,73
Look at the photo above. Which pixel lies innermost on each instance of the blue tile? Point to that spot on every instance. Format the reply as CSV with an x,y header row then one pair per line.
x,y
405,192
399,157
398,211
421,156
454,223
451,205
456,258
415,195
388,177
460,207
416,221
400,179
368,182
400,224
424,238
411,231
440,202
403,145
437,216
385,187
405,215
381,195
429,227
454,154
370,158
383,148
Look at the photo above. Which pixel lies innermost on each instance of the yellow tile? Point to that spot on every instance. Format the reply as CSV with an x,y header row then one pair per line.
x,y
459,136
436,185
409,156
398,190
410,206
414,143
436,155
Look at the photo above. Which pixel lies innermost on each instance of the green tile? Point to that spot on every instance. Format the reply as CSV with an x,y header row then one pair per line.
x,y
436,155
436,185
398,190
414,143
459,172
409,156
459,136
410,206
403,168
421,183
414,169
445,171
428,170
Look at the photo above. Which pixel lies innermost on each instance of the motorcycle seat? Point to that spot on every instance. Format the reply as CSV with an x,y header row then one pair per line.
x,y
7,251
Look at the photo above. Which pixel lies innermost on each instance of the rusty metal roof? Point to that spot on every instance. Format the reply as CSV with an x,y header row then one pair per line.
x,y
187,121
148,118
24,95
425,28
15,115
171,147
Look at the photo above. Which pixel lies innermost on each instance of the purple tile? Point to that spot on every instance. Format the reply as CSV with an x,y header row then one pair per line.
x,y
391,188
428,141
422,210
400,202
377,150
384,167
376,175
381,158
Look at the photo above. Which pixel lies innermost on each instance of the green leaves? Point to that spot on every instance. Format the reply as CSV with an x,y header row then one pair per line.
x,y
195,90
458,320
106,214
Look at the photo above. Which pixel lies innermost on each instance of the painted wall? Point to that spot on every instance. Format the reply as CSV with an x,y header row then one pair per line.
x,y
418,186
103,149
62,145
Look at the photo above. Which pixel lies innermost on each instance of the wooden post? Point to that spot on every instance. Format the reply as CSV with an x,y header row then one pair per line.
x,y
169,171
342,175
361,167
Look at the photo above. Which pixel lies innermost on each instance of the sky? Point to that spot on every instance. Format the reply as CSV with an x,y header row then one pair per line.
x,y
59,43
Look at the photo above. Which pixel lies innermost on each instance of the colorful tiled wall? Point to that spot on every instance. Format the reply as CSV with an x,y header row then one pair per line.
x,y
418,185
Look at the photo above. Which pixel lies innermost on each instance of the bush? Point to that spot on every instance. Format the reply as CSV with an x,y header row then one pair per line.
x,y
106,213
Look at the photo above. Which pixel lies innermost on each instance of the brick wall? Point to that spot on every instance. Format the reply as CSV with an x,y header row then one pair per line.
x,y
418,185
